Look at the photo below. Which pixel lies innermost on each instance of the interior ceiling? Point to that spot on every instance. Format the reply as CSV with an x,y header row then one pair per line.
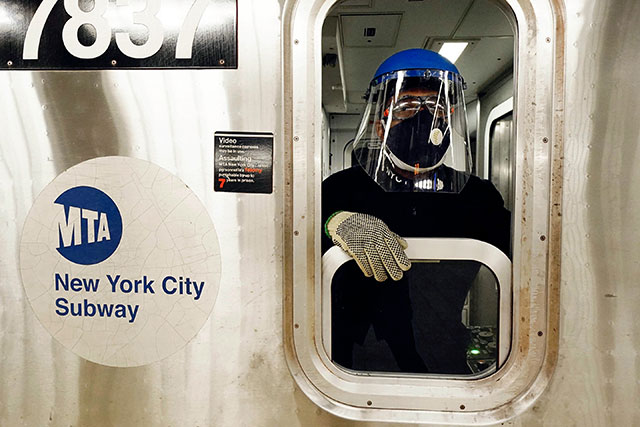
x,y
404,24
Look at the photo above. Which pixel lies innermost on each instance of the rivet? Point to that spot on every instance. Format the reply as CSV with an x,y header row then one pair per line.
x,y
545,139
221,62
114,62
296,41
10,63
539,333
295,233
295,138
548,39
296,326
462,407
543,237
369,403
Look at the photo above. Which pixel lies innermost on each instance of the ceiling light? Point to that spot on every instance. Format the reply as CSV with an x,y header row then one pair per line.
x,y
452,50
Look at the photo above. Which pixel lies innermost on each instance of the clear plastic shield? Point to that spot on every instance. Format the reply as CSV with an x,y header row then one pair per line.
x,y
413,134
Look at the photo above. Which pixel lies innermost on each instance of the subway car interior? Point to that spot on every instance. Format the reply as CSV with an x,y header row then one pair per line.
x,y
479,38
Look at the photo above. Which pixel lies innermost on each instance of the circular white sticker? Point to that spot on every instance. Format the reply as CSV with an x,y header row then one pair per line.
x,y
120,261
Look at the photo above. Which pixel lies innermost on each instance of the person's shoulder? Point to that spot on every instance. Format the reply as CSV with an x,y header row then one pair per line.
x,y
349,176
482,190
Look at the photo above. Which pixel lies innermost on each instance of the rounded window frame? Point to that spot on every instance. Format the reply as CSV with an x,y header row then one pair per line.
x,y
538,101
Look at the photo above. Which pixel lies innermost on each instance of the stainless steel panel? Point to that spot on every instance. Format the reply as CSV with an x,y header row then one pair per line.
x,y
597,380
234,369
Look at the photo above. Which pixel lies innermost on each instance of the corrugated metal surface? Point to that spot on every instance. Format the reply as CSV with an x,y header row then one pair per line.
x,y
234,371
597,380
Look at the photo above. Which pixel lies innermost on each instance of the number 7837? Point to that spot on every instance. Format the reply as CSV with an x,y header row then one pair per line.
x,y
95,17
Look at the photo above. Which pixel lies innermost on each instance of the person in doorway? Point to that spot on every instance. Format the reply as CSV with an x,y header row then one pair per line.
x,y
413,180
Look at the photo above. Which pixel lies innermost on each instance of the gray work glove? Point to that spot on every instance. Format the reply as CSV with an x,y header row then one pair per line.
x,y
377,250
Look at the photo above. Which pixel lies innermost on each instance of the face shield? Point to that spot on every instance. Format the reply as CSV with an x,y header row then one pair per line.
x,y
413,134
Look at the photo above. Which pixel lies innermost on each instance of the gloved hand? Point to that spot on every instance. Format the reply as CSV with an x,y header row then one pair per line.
x,y
376,249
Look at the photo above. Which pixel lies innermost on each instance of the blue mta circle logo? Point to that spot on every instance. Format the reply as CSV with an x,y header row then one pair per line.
x,y
89,225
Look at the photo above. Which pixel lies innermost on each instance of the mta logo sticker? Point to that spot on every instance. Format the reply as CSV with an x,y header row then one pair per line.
x,y
120,261
89,225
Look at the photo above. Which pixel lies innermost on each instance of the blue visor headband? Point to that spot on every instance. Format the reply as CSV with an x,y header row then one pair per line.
x,y
428,73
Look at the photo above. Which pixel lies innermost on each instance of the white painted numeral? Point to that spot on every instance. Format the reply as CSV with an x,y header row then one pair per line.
x,y
95,18
34,32
189,27
146,17
79,18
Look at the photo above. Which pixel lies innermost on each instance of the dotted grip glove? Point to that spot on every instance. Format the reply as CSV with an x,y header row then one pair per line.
x,y
377,250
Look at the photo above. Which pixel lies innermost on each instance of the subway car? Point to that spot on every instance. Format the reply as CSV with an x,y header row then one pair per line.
x,y
195,194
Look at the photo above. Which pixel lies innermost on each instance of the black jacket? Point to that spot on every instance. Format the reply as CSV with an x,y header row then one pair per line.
x,y
426,304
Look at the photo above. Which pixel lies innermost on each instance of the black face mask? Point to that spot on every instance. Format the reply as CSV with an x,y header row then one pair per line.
x,y
410,140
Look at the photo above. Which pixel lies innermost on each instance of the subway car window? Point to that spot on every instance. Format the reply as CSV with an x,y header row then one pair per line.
x,y
416,229
500,166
